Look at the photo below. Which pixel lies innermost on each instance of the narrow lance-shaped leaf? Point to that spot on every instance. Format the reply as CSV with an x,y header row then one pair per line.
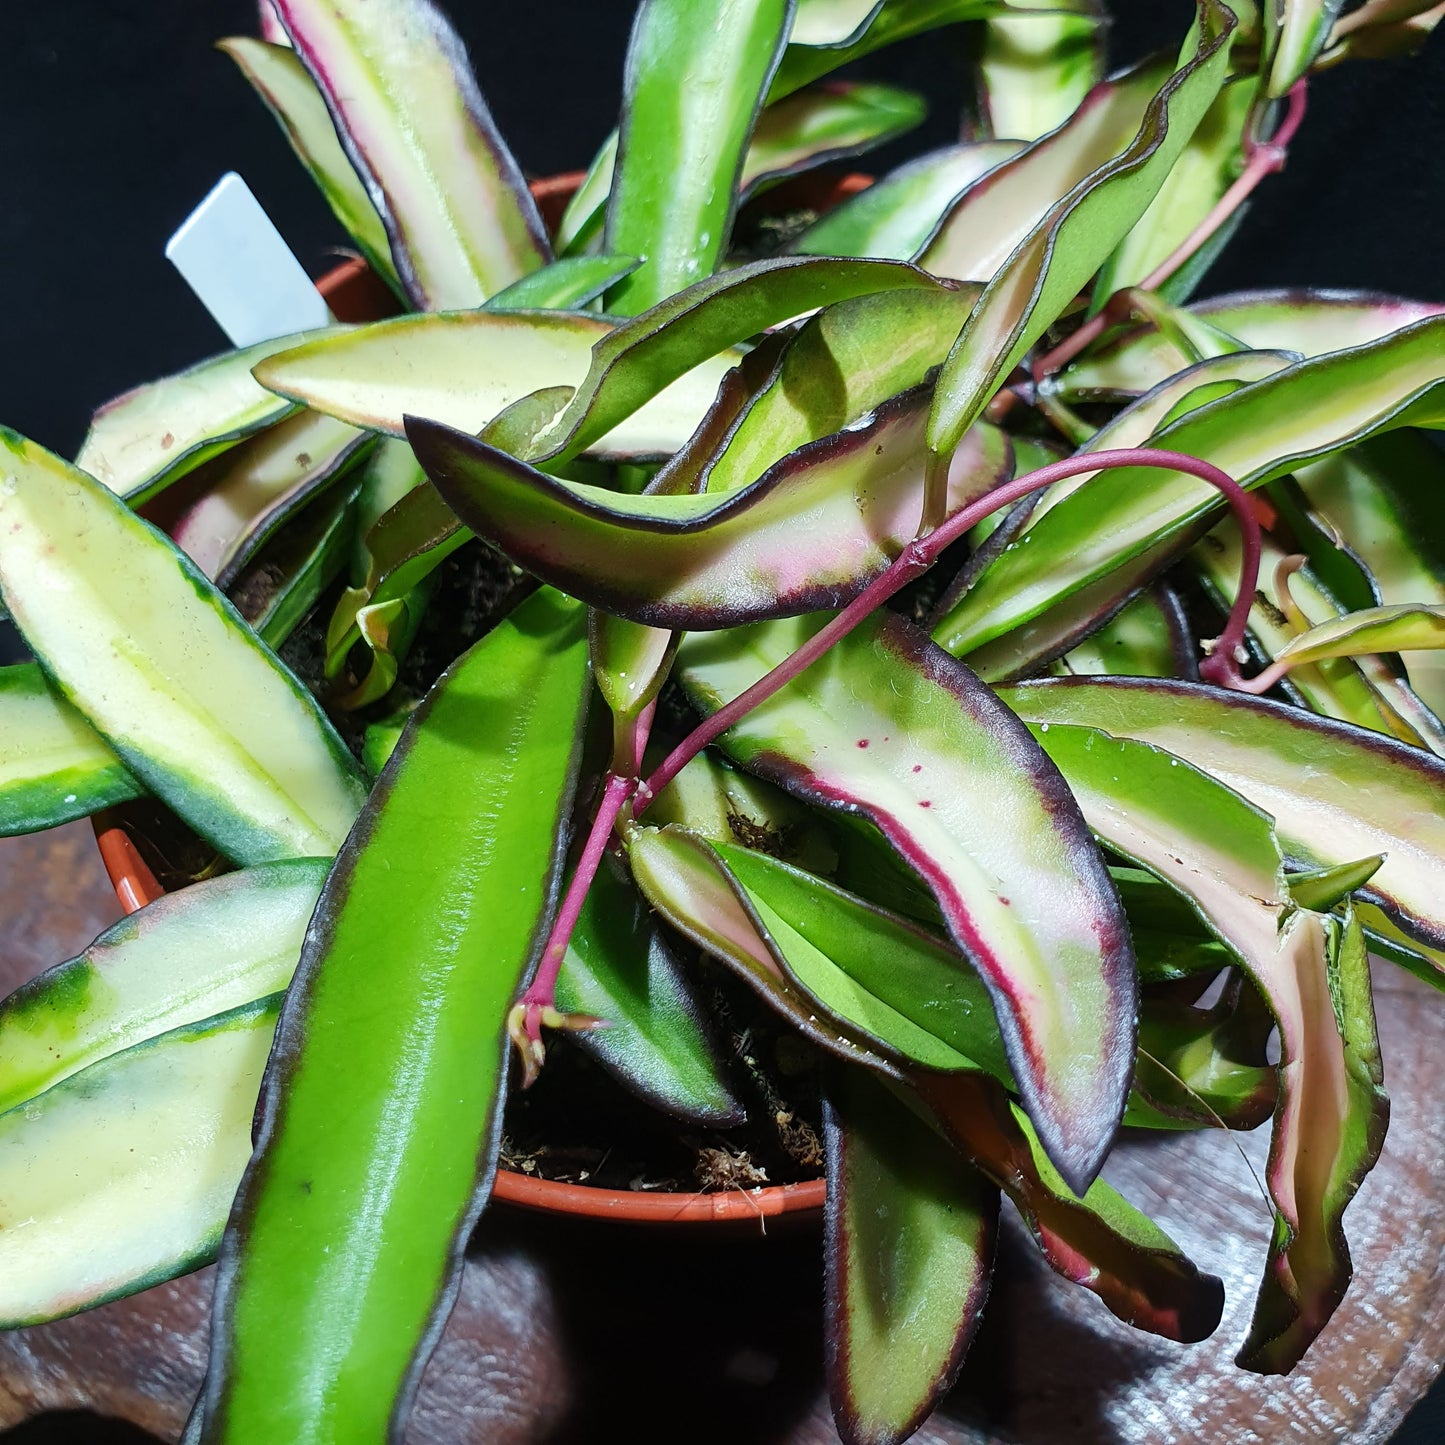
x,y
695,80
1382,497
572,281
1146,639
54,767
1099,1241
909,1236
1382,28
153,1140
1343,681
884,726
635,362
327,1307
248,492
1047,269
714,559
1308,322
282,82
1201,175
157,660
1329,1132
1294,33
1258,432
991,218
1036,69
148,437
465,368
828,34
621,968
897,216
831,123
842,363
292,571
396,80
215,946
1336,793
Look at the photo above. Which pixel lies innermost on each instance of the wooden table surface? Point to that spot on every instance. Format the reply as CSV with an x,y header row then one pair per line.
x,y
567,1333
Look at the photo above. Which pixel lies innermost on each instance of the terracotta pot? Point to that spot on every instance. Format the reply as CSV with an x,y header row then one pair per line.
x,y
357,294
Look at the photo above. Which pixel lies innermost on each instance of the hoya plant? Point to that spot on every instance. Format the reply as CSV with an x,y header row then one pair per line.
x,y
907,612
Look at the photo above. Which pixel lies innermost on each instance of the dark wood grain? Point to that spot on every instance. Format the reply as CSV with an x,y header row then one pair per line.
x,y
573,1333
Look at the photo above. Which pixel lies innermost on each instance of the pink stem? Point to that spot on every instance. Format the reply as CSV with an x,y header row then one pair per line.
x,y
544,986
920,554
1263,159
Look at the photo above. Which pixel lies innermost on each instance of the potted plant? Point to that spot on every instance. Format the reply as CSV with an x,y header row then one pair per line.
x,y
917,623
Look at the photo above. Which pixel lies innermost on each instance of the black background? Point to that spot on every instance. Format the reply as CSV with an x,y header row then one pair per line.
x,y
116,117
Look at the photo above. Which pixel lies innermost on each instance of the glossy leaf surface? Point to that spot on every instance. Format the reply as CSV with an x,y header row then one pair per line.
x,y
467,367
121,1176
909,1236
1336,793
1044,273
281,80
695,80
163,668
1036,69
883,725
1311,322
54,767
1099,1241
148,437
714,560
897,215
396,80
621,967
1258,432
212,947
348,1230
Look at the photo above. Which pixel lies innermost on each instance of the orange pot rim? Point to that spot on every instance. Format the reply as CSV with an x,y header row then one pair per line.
x,y
135,886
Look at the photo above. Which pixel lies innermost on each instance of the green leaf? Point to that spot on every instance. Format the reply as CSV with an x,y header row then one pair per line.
x,y
213,947
144,440
715,559
828,34
1374,629
1294,32
1321,889
1366,691
395,77
1035,70
121,1176
632,364
378,1131
288,576
281,80
1069,243
247,493
842,363
572,281
1336,793
1204,171
1381,497
1304,321
54,767
884,726
1328,1134
695,80
1146,639
620,967
466,368
829,123
1099,1241
1258,432
909,1237
897,216
164,669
